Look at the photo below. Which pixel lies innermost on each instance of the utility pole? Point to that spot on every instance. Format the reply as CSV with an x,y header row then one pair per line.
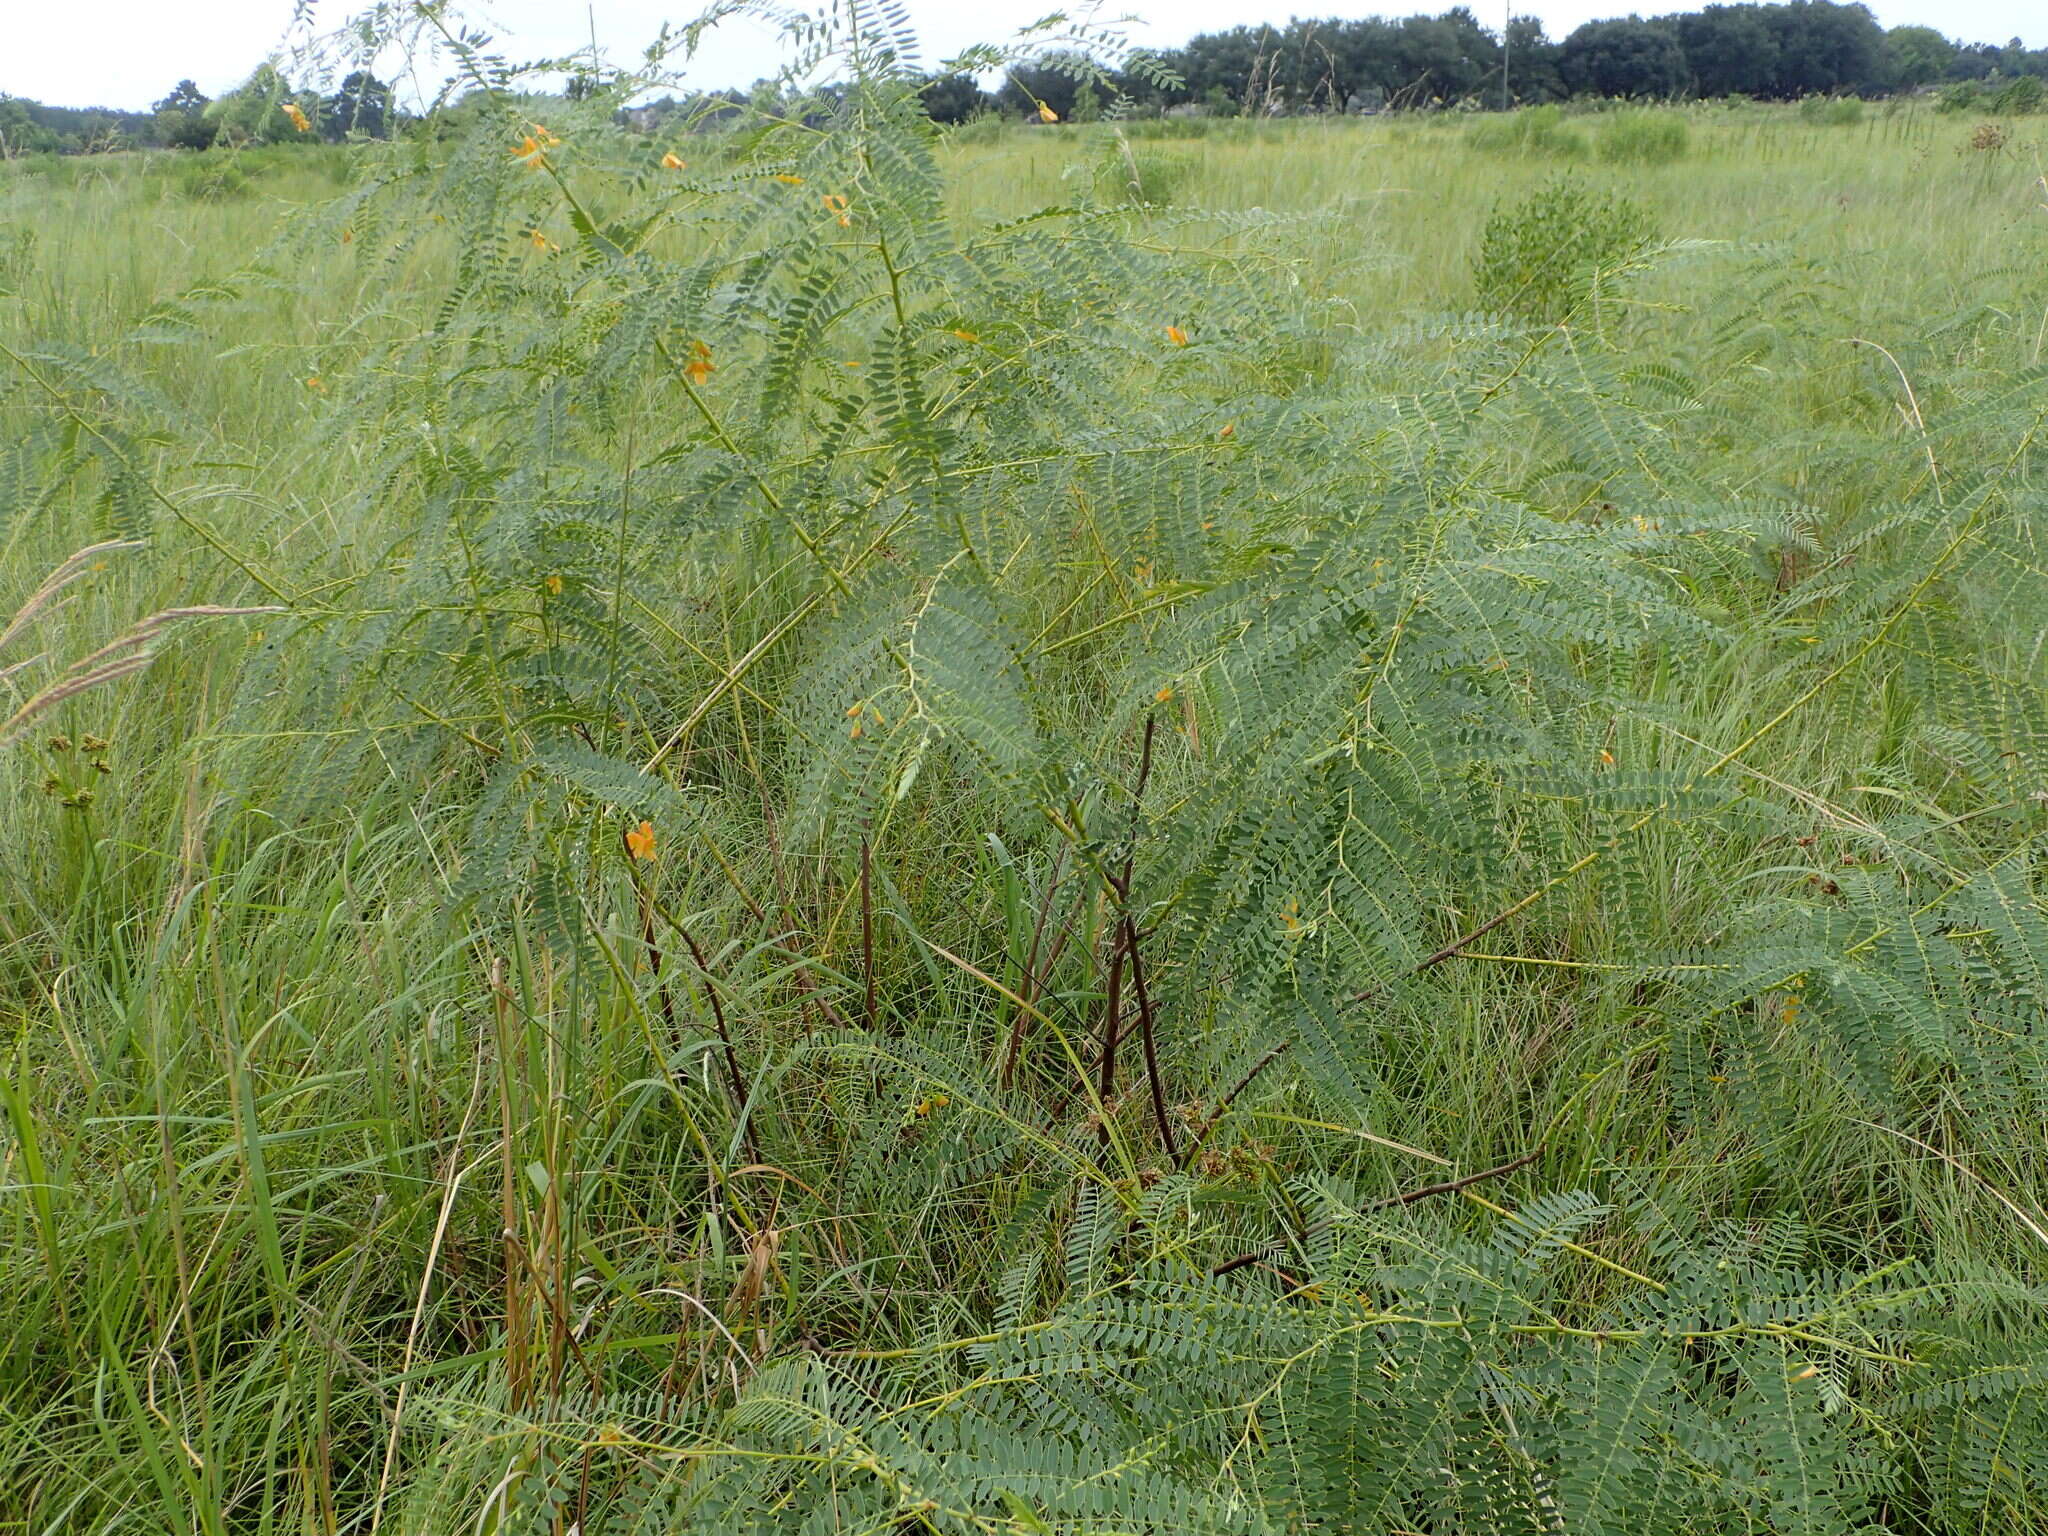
x,y
1507,41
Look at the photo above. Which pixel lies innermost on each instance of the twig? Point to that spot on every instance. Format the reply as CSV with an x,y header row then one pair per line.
x,y
1451,1186
867,926
1145,1038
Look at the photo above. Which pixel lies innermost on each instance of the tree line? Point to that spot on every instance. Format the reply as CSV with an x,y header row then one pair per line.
x,y
1773,52
265,109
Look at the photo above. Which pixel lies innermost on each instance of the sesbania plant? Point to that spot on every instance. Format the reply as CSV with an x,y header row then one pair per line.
x,y
968,771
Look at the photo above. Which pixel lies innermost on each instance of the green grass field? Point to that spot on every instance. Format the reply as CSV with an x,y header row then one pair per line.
x,y
844,885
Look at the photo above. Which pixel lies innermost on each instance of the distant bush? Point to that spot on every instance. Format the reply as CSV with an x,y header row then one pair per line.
x,y
1638,137
1531,131
2021,96
213,180
1141,173
1831,111
1542,257
985,128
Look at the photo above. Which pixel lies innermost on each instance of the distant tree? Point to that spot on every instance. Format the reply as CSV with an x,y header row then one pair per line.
x,y
1730,50
185,97
954,98
360,109
22,133
180,118
1530,59
1918,56
1624,57
1825,48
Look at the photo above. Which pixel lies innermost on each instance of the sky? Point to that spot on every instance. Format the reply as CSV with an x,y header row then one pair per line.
x,y
128,53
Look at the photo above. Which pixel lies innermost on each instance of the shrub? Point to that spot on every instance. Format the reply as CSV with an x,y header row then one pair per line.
x,y
1531,131
211,181
2022,97
1641,138
1140,174
1831,111
1543,257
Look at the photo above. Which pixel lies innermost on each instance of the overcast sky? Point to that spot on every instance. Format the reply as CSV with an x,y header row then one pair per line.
x,y
127,53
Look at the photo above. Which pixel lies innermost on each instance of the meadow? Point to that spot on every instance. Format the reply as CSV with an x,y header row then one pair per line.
x,y
1229,827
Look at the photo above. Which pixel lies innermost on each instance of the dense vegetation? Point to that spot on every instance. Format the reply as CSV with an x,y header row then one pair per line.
x,y
1320,826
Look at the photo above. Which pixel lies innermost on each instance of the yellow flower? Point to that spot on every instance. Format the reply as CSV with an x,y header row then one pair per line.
x,y
1176,335
966,336
1163,696
1046,114
542,243
834,203
298,118
854,732
532,150
1607,757
925,1107
347,235
640,842
554,584
674,162
1229,431
315,383
788,180
700,367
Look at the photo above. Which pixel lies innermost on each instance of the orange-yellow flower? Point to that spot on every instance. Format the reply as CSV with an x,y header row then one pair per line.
x,y
554,584
315,383
1163,696
533,149
347,235
788,180
1176,335
966,336
834,203
674,162
292,110
1046,114
640,842
700,367
1229,431
542,243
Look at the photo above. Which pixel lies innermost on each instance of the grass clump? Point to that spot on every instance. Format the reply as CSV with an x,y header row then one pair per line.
x,y
1641,136
1831,111
1529,131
